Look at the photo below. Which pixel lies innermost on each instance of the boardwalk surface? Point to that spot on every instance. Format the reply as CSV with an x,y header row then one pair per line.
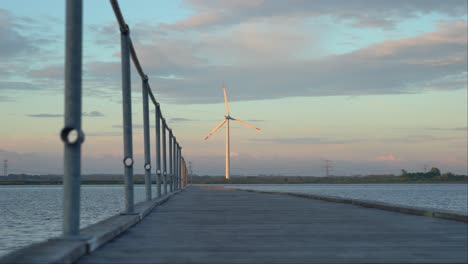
x,y
221,226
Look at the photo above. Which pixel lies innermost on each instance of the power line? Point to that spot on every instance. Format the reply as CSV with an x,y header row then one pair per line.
x,y
5,168
328,167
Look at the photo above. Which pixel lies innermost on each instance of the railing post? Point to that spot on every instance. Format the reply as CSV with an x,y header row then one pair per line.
x,y
171,176
164,138
182,172
158,149
71,134
185,172
174,164
179,164
127,119
181,167
176,176
146,137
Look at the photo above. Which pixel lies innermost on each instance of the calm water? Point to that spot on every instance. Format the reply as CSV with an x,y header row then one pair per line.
x,y
453,197
33,213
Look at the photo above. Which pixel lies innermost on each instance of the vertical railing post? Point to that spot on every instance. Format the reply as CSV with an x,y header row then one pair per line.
x,y
179,164
127,119
146,137
164,139
176,176
158,149
171,176
185,173
71,134
174,161
182,172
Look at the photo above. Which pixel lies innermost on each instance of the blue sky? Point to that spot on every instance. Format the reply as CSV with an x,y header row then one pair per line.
x,y
375,86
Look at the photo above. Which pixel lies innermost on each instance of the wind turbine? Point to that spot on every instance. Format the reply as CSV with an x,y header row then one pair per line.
x,y
226,120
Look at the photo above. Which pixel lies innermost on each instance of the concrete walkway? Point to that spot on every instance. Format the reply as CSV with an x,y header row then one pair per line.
x,y
221,226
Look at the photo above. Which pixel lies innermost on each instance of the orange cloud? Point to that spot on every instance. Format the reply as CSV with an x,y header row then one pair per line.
x,y
389,157
448,33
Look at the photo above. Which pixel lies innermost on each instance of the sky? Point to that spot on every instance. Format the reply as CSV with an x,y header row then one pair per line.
x,y
374,86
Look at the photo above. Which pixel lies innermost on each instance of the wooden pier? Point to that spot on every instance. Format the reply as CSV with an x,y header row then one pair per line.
x,y
216,225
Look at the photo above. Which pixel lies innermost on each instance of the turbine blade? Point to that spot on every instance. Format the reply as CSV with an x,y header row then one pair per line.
x,y
245,124
216,128
225,100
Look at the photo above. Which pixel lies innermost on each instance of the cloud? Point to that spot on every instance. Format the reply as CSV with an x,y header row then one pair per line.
x,y
180,119
104,70
249,54
433,48
55,71
13,86
6,99
45,115
308,141
389,157
133,126
246,62
32,163
409,139
85,114
24,38
368,13
93,114
26,45
448,129
104,134
13,42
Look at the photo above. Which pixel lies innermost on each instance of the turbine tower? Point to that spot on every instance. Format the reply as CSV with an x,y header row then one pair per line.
x,y
226,120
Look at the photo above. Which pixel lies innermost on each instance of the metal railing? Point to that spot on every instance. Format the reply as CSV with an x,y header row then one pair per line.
x,y
72,135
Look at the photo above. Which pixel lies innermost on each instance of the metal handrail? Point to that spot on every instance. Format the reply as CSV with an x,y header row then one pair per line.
x,y
72,135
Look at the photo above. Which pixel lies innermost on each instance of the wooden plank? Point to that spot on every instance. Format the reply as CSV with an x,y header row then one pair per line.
x,y
221,226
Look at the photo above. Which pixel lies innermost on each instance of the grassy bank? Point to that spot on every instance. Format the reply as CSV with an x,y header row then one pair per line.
x,y
139,179
326,180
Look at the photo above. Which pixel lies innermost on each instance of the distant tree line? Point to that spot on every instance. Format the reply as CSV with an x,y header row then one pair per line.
x,y
433,175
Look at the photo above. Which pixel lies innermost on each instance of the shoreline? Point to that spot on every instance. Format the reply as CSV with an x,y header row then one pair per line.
x,y
8,183
412,210
117,179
